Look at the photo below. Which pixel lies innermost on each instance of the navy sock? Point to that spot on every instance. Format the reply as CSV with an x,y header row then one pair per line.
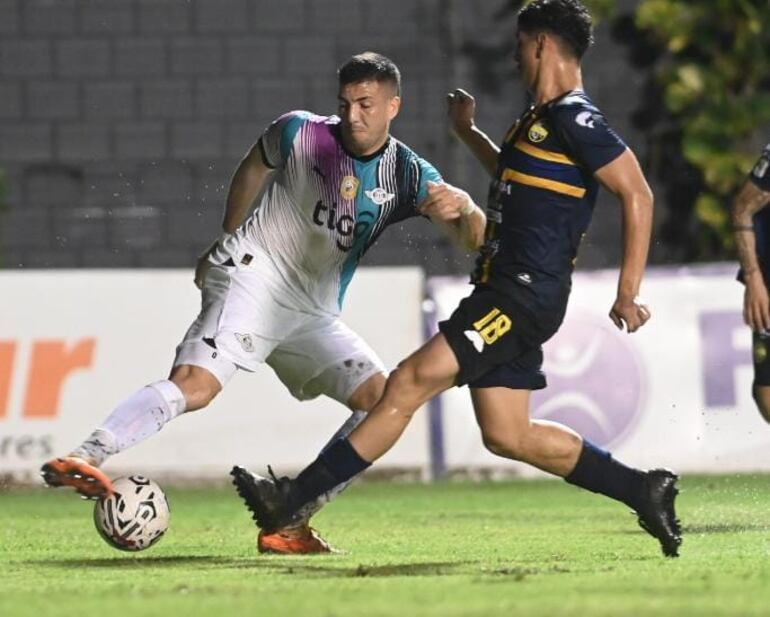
x,y
337,464
598,472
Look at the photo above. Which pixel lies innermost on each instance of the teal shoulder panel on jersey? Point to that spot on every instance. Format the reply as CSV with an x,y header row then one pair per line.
x,y
294,121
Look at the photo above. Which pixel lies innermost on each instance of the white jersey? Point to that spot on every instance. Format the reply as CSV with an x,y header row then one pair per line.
x,y
322,210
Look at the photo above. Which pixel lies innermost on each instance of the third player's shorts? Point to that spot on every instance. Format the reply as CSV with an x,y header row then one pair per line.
x,y
761,356
242,324
498,341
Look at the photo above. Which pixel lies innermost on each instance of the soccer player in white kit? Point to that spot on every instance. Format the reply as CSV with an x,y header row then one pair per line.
x,y
273,284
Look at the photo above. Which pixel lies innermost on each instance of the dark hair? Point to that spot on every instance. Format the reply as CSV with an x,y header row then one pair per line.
x,y
370,66
567,19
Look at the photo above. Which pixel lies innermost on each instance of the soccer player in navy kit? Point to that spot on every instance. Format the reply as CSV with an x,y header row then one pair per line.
x,y
545,181
751,225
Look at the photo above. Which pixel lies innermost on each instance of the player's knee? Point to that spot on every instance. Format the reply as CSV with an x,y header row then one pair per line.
x,y
503,444
761,396
198,385
367,394
412,376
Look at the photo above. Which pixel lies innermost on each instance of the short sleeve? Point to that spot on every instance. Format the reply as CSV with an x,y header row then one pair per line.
x,y
760,175
588,137
428,173
278,139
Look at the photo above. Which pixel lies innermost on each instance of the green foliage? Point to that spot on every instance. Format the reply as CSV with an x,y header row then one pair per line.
x,y
714,77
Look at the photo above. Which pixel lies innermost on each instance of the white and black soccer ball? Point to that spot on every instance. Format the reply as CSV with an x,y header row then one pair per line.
x,y
135,516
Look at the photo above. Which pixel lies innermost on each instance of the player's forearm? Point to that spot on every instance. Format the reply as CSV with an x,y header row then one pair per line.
x,y
742,216
482,147
637,231
246,184
746,245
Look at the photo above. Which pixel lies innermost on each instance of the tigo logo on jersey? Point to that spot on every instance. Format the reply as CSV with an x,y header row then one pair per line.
x,y
537,132
349,187
379,196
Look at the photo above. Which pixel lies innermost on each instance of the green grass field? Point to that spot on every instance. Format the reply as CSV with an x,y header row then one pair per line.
x,y
513,548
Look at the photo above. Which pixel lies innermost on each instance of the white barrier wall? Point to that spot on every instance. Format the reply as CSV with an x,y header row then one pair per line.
x,y
74,343
676,393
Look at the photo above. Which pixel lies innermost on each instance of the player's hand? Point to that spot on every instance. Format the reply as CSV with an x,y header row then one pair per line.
x,y
632,314
756,304
461,109
446,202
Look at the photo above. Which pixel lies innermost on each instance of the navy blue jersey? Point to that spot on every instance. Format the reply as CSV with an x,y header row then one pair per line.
x,y
760,176
542,199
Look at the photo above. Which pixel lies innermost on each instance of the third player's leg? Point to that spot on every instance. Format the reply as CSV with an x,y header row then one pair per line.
x,y
508,431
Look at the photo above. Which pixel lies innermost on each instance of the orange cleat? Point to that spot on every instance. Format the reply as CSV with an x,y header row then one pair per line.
x,y
86,479
302,540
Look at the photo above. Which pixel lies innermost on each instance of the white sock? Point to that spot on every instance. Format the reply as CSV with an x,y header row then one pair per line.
x,y
309,509
140,416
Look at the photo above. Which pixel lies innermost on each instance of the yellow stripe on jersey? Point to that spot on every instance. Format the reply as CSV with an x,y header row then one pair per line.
x,y
543,183
546,155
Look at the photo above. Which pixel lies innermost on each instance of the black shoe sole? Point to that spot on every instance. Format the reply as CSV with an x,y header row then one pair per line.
x,y
242,480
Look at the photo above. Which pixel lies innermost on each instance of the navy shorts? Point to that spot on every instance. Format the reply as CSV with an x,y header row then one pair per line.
x,y
761,356
498,341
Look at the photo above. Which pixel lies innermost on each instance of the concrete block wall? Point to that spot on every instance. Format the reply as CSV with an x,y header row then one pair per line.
x,y
121,121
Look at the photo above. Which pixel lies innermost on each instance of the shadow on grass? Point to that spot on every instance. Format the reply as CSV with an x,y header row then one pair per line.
x,y
724,528
277,564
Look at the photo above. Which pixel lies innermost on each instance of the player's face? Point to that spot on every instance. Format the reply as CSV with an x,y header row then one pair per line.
x,y
527,57
366,109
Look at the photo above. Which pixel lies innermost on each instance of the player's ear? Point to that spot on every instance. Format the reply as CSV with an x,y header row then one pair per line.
x,y
394,105
540,40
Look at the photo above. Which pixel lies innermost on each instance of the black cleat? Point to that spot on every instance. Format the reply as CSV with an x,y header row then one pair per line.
x,y
266,498
657,516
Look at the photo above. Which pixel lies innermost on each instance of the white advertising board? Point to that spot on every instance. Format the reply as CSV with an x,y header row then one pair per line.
x,y
676,393
73,344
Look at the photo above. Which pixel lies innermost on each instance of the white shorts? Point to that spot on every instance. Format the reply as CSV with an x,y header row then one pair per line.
x,y
242,325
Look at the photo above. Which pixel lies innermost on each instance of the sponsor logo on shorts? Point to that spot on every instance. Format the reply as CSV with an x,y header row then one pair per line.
x,y
595,380
489,329
349,187
475,338
379,196
524,277
246,342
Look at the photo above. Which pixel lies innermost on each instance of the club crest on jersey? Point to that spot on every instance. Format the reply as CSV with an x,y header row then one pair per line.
x,y
537,132
349,187
379,196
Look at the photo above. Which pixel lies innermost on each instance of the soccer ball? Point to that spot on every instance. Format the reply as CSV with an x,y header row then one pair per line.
x,y
135,516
